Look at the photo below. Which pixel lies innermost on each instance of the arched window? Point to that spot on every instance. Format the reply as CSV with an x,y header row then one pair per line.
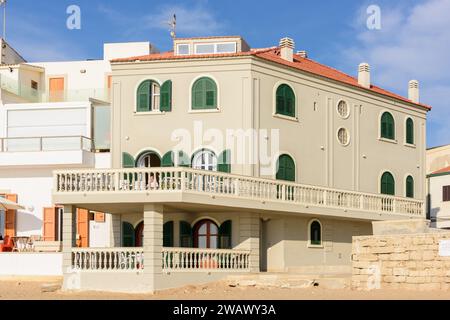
x,y
206,235
387,184
285,168
315,233
387,126
204,94
409,187
204,160
148,96
285,101
409,131
168,234
148,159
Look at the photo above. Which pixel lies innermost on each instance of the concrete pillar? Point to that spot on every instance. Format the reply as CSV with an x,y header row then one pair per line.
x,y
116,230
249,238
153,244
69,229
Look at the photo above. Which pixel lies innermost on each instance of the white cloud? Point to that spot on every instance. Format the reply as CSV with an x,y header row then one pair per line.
x,y
413,44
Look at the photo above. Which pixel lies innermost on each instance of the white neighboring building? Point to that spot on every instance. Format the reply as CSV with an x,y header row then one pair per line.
x,y
438,185
54,115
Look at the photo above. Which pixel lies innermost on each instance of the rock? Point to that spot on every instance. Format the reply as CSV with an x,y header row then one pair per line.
x,y
247,283
232,284
50,287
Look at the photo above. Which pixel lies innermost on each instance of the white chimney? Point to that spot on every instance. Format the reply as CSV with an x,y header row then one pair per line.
x,y
364,75
413,91
302,54
287,49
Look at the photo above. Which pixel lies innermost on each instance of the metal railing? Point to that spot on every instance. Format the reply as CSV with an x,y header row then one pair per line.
x,y
54,143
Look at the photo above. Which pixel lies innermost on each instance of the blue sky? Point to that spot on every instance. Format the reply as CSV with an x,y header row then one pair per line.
x,y
413,42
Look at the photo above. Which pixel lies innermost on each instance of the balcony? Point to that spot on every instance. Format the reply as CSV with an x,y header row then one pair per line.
x,y
53,150
184,188
28,94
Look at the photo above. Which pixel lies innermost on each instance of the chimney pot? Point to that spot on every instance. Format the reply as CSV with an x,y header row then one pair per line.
x,y
364,75
413,91
287,49
302,54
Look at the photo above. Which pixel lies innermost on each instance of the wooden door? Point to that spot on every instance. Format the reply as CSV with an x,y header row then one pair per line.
x,y
56,89
83,227
50,224
10,217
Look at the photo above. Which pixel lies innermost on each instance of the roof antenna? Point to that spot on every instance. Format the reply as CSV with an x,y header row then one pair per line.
x,y
3,3
173,26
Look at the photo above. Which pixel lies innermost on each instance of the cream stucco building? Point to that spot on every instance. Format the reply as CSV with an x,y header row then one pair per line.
x,y
227,159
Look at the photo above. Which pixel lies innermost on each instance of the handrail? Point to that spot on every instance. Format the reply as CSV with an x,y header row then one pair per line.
x,y
38,144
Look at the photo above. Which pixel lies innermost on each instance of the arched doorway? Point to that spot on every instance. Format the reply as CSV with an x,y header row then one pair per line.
x,y
206,234
205,160
128,235
148,159
139,234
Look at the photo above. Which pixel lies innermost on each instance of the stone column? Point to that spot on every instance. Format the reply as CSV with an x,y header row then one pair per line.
x,y
153,244
69,228
249,238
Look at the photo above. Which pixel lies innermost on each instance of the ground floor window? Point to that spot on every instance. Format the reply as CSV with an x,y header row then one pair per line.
x,y
206,235
315,233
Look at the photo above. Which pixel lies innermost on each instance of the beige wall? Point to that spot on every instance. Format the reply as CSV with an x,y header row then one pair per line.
x,y
247,100
438,158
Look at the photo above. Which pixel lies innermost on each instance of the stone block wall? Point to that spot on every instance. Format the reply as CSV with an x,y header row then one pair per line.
x,y
410,261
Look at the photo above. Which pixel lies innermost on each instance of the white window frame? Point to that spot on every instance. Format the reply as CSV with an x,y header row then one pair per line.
x,y
215,44
183,54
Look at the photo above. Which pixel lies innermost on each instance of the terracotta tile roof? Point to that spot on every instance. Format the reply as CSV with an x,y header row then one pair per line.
x,y
443,170
273,54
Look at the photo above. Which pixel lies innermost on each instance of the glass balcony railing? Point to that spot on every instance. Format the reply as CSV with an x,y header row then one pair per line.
x,y
33,95
37,144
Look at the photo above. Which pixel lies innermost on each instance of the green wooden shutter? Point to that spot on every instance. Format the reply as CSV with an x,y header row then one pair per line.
x,y
225,235
315,233
127,160
183,159
144,97
198,94
168,159
224,162
166,96
387,126
128,236
185,235
210,94
410,187
409,131
168,234
387,184
285,101
286,168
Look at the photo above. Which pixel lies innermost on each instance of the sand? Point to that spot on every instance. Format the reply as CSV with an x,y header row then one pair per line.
x,y
31,289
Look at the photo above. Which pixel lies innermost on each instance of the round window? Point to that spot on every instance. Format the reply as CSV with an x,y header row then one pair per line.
x,y
343,136
342,109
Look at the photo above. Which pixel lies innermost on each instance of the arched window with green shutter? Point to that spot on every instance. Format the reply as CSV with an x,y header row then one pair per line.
x,y
387,126
148,96
168,160
409,131
128,235
285,168
168,234
166,96
225,235
185,235
204,94
224,162
409,187
285,101
127,160
183,159
387,184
